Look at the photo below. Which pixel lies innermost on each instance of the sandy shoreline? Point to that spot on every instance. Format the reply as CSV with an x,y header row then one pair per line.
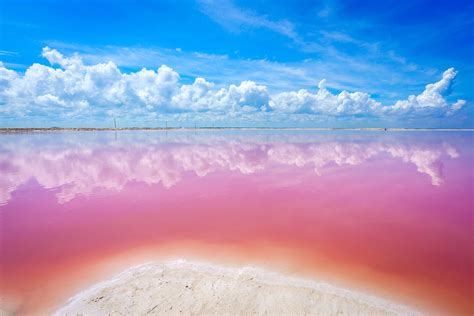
x,y
183,287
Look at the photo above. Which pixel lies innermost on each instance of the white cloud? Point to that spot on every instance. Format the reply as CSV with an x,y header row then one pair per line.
x,y
324,102
6,76
458,105
70,87
199,96
346,103
431,97
43,88
381,77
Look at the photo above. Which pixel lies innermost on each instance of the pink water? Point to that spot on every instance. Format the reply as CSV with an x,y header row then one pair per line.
x,y
390,214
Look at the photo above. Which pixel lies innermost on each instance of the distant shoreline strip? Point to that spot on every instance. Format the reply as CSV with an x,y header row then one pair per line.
x,y
95,129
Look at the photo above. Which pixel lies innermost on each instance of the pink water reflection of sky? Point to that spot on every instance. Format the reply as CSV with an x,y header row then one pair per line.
x,y
387,214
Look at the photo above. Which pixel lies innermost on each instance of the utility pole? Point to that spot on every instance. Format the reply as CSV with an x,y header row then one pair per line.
x,y
166,124
115,124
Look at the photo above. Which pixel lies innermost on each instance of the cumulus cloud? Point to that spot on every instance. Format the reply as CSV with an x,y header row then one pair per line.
x,y
201,97
69,87
324,102
431,97
104,87
346,103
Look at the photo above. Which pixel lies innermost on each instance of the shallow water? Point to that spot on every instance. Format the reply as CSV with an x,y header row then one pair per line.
x,y
388,213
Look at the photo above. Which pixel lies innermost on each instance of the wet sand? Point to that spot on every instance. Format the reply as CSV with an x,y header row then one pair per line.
x,y
183,287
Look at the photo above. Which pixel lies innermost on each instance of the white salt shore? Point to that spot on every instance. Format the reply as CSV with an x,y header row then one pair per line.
x,y
182,287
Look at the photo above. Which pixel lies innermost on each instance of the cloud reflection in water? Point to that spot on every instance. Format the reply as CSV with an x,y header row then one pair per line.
x,y
77,164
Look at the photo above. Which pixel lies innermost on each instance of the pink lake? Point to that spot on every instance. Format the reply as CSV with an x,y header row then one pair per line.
x,y
387,213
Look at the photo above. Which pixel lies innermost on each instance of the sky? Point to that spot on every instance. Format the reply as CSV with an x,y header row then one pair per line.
x,y
153,63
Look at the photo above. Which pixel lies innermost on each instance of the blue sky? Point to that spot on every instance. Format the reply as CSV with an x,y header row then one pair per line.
x,y
380,52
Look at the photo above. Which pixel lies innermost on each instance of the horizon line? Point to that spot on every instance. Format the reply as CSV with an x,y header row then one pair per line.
x,y
92,129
